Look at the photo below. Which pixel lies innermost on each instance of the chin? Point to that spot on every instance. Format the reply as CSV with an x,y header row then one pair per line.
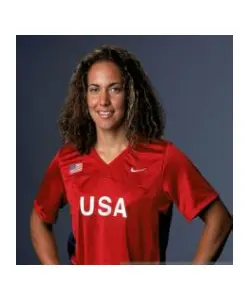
x,y
108,126
109,123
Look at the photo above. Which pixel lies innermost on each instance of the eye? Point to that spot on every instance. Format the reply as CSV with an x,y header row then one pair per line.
x,y
115,89
93,89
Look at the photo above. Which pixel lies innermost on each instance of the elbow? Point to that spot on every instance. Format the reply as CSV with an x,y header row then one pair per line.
x,y
229,223
218,218
222,224
37,225
225,221
35,220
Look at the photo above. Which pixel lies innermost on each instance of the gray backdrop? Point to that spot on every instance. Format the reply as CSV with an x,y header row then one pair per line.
x,y
193,76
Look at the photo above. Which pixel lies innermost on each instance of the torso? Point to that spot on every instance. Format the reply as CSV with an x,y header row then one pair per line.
x,y
115,204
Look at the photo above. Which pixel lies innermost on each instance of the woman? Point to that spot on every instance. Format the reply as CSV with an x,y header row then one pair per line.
x,y
117,173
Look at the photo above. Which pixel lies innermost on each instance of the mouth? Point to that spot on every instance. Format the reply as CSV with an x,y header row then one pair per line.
x,y
105,114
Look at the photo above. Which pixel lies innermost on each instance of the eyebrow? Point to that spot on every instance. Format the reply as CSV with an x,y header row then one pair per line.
x,y
111,84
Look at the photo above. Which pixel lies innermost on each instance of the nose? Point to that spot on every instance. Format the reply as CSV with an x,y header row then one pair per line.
x,y
104,99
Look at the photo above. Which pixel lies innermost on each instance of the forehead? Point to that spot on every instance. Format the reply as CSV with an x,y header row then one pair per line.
x,y
104,71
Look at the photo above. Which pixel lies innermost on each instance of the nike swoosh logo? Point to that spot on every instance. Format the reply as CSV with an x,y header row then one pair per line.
x,y
137,170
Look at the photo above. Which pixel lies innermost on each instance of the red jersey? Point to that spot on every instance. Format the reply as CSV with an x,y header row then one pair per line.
x,y
115,207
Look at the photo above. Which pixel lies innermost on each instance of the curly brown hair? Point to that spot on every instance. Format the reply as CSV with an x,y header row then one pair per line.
x,y
144,117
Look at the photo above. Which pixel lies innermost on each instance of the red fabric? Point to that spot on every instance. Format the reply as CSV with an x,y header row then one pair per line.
x,y
51,193
184,184
123,226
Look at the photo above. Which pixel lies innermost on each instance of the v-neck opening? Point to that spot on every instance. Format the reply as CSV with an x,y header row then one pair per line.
x,y
114,160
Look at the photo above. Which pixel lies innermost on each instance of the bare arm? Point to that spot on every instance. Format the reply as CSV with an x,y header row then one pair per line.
x,y
43,240
218,225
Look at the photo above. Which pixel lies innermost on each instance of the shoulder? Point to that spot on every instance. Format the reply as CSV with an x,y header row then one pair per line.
x,y
67,151
159,145
164,150
151,151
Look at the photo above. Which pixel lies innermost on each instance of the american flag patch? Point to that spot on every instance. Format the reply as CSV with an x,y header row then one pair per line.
x,y
74,168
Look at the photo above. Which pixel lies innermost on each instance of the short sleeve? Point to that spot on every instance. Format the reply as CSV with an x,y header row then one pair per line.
x,y
184,184
51,193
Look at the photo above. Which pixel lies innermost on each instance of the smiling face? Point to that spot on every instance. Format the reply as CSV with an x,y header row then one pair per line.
x,y
105,95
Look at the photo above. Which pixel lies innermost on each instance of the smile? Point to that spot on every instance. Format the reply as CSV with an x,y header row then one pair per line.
x,y
105,114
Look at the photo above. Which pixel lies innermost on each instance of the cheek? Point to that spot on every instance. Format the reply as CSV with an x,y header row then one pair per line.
x,y
119,104
92,102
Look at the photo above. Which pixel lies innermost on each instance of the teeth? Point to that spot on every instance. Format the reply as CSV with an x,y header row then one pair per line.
x,y
105,114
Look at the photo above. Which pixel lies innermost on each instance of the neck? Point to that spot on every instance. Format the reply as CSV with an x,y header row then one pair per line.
x,y
111,140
